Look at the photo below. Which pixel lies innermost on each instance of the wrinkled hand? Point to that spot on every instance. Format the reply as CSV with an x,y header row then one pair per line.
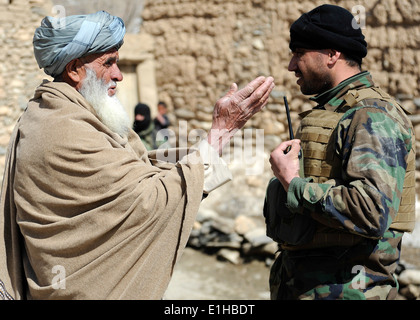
x,y
286,166
233,110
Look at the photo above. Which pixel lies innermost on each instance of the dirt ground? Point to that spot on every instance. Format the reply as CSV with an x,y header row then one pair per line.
x,y
199,276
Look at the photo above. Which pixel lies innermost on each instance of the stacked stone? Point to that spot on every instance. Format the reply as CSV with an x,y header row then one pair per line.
x,y
243,238
234,240
409,280
19,72
203,46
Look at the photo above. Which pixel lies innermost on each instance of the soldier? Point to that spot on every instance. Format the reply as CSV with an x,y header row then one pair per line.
x,y
339,227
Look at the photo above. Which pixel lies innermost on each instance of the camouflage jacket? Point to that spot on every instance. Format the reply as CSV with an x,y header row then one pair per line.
x,y
373,149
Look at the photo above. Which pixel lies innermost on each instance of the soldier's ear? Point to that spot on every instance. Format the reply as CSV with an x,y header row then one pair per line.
x,y
333,56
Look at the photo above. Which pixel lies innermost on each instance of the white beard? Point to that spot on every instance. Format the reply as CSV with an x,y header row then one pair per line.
x,y
109,109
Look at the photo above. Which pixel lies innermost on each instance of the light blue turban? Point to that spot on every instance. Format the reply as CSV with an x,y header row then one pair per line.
x,y
59,40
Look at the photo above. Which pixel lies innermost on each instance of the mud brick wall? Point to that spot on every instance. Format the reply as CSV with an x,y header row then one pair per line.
x,y
202,46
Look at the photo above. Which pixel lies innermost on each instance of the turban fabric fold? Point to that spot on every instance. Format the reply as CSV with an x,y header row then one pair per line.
x,y
59,40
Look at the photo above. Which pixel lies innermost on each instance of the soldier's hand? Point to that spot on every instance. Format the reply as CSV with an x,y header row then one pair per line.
x,y
285,165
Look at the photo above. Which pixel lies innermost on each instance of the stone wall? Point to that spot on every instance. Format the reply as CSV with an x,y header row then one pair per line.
x,y
19,73
202,46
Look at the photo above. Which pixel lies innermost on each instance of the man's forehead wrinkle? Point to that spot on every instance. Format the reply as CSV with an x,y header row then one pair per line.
x,y
104,57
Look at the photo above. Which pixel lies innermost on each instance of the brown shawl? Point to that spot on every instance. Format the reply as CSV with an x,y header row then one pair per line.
x,y
86,214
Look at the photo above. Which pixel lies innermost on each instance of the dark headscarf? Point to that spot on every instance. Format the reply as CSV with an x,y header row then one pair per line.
x,y
144,110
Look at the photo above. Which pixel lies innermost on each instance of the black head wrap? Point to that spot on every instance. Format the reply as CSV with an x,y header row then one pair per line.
x,y
144,110
329,27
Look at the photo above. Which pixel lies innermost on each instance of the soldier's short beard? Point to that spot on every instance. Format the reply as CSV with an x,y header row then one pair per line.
x,y
316,85
109,109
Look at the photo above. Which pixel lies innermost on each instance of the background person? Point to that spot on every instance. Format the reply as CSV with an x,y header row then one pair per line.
x,y
162,120
144,126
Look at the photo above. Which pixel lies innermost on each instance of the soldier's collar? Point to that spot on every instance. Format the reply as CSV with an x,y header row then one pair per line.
x,y
331,98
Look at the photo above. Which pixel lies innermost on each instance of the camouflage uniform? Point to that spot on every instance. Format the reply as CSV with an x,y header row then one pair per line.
x,y
372,141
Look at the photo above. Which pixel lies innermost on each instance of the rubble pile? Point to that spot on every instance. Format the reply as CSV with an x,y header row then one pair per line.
x,y
230,225
234,240
409,280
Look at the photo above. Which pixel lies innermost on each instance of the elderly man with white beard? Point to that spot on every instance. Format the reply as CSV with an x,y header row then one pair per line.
x,y
86,211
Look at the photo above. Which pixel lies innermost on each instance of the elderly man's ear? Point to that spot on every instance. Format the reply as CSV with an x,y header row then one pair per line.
x,y
74,73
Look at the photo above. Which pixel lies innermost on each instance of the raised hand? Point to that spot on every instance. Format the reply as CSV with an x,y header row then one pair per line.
x,y
234,109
